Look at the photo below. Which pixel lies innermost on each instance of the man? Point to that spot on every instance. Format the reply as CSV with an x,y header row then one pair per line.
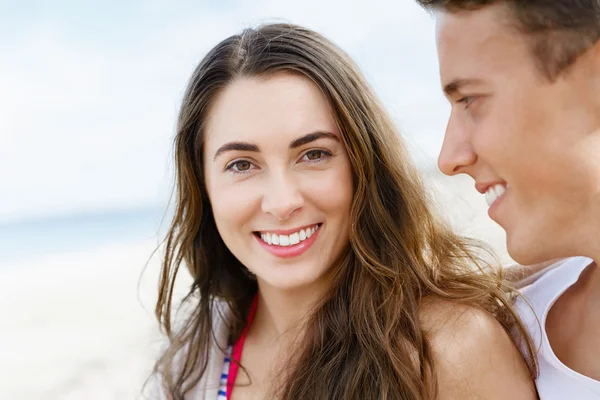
x,y
523,78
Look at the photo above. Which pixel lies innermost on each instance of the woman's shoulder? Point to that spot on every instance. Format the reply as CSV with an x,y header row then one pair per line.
x,y
473,355
443,319
461,333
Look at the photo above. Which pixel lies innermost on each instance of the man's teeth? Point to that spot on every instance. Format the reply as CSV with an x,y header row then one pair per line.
x,y
288,240
492,194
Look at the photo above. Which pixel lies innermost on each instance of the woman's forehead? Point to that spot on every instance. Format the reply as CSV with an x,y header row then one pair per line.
x,y
283,106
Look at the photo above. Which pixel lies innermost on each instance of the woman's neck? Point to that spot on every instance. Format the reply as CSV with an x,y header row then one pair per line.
x,y
281,314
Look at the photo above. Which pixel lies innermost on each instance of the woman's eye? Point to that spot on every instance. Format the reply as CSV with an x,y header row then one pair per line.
x,y
316,155
242,165
239,166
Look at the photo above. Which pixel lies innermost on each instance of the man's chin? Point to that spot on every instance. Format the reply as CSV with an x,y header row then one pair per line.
x,y
526,252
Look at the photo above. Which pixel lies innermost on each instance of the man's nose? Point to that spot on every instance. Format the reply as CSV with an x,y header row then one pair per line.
x,y
457,151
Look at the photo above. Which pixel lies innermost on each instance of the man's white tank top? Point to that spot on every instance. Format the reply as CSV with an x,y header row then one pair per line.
x,y
556,381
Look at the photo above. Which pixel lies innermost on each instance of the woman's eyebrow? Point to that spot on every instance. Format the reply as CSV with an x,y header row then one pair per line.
x,y
311,137
236,146
301,141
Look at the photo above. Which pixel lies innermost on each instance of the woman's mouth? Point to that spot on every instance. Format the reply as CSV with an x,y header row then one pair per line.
x,y
288,244
292,239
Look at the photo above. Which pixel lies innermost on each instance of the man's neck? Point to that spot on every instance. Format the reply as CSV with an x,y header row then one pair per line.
x,y
586,228
588,287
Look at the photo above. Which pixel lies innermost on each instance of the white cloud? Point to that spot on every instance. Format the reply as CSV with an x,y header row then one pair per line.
x,y
87,118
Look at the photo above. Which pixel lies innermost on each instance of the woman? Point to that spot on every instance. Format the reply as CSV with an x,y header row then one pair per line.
x,y
320,271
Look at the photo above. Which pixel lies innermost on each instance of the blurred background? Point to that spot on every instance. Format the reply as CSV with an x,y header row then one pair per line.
x,y
89,94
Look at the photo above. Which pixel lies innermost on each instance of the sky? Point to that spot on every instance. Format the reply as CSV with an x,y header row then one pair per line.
x,y
89,91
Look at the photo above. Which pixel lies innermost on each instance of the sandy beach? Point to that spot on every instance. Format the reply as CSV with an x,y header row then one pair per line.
x,y
75,327
80,325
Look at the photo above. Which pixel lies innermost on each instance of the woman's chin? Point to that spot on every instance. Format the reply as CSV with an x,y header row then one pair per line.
x,y
286,280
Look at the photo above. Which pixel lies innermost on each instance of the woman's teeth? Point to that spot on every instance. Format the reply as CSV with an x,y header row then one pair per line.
x,y
288,240
494,192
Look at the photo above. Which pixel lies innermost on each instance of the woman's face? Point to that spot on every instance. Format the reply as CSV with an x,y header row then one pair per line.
x,y
278,178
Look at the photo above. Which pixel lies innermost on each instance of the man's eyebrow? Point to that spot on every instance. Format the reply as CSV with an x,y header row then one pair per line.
x,y
455,86
236,146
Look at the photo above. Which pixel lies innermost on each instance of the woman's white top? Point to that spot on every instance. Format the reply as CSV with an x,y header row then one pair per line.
x,y
556,381
210,384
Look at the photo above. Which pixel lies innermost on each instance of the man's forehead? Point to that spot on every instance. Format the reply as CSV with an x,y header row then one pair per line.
x,y
496,15
470,28
459,50
473,44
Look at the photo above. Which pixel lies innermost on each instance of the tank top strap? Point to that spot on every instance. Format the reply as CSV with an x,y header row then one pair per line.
x,y
236,351
546,290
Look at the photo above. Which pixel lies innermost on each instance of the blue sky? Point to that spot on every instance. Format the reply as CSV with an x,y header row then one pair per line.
x,y
89,91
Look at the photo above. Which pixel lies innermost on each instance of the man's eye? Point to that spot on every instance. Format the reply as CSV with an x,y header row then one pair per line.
x,y
466,101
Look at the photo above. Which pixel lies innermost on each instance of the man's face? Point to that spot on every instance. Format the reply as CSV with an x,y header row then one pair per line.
x,y
531,145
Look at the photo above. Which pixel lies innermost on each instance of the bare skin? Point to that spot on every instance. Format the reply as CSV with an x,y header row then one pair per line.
x,y
474,357
267,345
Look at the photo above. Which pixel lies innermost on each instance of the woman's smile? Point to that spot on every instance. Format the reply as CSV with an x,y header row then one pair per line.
x,y
286,245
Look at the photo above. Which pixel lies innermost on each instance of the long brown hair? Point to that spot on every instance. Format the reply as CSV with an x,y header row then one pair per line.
x,y
365,339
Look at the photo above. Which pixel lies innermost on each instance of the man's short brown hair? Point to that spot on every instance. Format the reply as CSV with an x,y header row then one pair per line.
x,y
559,30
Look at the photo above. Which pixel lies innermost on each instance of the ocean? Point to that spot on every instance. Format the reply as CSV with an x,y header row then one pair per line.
x,y
31,238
